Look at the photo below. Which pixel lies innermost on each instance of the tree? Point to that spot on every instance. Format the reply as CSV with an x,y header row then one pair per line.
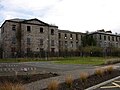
x,y
92,51
88,40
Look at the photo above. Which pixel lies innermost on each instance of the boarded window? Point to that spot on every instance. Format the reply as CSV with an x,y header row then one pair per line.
x,y
28,41
13,40
52,42
41,41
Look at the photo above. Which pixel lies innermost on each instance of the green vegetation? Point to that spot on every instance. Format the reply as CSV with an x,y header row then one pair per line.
x,y
65,60
82,60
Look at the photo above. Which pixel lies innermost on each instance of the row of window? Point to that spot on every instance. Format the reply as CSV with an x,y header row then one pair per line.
x,y
29,29
66,43
109,44
41,30
113,38
65,36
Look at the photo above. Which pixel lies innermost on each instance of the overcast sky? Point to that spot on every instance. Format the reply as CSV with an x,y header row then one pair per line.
x,y
74,15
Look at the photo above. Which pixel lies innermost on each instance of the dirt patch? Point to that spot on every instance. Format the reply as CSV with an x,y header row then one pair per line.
x,y
23,79
91,81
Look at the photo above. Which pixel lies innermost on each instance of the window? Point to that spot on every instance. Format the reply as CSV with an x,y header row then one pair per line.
x,y
59,35
14,27
104,37
109,38
91,37
65,43
28,41
71,36
28,50
52,42
28,28
100,37
41,41
65,36
52,31
13,40
59,43
41,30
41,49
76,36
116,39
81,36
112,38
13,49
71,44
76,44
116,44
52,49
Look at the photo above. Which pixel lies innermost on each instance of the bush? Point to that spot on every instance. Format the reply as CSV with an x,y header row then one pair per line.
x,y
99,72
53,85
109,69
69,80
84,76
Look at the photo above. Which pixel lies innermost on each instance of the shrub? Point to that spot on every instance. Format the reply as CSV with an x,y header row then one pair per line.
x,y
69,81
109,69
11,86
99,72
53,85
84,76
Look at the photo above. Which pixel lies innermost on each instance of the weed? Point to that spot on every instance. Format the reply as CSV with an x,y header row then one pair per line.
x,y
99,72
69,80
109,69
53,85
83,76
11,86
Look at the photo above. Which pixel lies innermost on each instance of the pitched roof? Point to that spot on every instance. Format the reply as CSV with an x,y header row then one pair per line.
x,y
17,20
25,21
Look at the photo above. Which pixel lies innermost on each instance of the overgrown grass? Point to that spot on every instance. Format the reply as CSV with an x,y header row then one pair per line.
x,y
100,71
69,80
83,76
53,85
82,60
10,86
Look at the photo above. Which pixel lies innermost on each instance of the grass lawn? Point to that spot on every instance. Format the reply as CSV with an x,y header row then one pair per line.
x,y
82,60
61,60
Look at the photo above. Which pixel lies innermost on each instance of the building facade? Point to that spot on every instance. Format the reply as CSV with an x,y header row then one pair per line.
x,y
20,37
106,39
23,36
